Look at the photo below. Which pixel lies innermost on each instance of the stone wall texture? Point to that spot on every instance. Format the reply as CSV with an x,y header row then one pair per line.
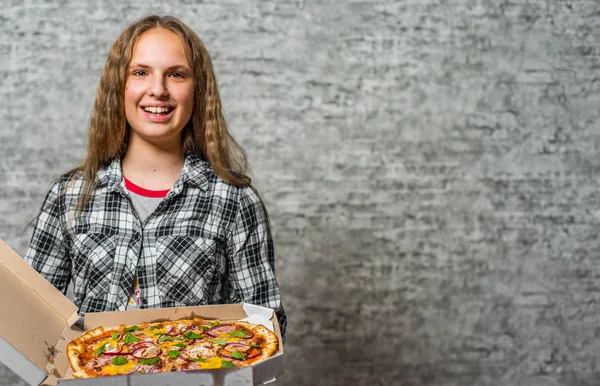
x,y
430,167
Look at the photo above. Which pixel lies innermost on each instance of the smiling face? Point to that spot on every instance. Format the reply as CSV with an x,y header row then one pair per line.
x,y
159,90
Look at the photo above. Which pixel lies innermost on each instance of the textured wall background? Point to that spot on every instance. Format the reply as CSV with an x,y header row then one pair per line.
x,y
430,167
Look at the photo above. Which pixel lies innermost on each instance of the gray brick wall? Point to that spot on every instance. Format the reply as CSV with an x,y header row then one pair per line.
x,y
430,168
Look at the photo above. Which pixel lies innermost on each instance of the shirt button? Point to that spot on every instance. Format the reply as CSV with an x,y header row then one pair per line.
x,y
144,301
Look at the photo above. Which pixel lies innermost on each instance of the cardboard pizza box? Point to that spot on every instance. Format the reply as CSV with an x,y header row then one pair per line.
x,y
37,323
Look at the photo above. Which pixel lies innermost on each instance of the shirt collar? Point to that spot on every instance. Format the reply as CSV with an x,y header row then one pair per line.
x,y
111,175
195,172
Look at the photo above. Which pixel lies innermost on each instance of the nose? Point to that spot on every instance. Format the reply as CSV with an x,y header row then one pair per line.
x,y
158,87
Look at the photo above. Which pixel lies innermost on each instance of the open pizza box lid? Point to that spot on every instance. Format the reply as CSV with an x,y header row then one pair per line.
x,y
37,324
34,315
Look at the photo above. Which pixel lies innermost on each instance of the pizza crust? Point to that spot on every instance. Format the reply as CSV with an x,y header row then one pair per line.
x,y
268,348
77,347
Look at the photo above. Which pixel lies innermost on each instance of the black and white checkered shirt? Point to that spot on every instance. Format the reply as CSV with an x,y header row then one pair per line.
x,y
208,242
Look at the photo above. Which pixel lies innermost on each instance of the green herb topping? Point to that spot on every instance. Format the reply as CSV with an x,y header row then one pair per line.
x,y
192,335
179,345
222,342
132,328
149,361
238,355
114,336
238,334
226,364
173,354
119,360
129,338
100,350
215,324
165,338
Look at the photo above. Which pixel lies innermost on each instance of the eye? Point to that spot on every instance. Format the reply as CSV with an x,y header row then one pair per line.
x,y
177,75
139,73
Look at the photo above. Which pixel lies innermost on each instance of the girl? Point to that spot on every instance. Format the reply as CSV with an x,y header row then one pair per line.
x,y
160,213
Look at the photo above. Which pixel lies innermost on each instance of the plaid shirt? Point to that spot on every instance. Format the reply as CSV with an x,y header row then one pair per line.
x,y
208,242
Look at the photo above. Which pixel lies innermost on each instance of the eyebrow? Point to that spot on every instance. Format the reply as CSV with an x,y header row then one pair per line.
x,y
179,67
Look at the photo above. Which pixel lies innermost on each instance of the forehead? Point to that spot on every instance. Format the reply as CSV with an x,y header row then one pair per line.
x,y
159,47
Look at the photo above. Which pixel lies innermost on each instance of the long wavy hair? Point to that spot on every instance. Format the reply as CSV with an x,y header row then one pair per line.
x,y
205,135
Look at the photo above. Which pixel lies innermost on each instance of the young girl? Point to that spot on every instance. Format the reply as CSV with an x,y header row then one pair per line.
x,y
160,213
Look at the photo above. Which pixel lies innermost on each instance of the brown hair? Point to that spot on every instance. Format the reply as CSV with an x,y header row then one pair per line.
x,y
206,135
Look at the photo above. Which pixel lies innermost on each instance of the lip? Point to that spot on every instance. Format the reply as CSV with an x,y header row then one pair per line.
x,y
157,117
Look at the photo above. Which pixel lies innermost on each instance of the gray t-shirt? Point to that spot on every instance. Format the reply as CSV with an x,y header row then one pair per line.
x,y
144,206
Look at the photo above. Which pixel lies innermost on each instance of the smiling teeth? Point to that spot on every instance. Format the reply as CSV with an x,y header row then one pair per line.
x,y
156,110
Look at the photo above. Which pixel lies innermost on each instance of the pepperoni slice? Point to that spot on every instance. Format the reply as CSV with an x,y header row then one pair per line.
x,y
220,329
227,329
247,351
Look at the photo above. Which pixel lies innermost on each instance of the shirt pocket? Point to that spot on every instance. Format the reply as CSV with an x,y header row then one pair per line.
x,y
185,268
93,256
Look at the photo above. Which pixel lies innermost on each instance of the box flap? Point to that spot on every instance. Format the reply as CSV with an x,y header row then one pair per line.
x,y
36,313
115,318
259,315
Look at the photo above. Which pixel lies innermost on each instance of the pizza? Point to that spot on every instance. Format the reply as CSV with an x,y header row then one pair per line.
x,y
182,345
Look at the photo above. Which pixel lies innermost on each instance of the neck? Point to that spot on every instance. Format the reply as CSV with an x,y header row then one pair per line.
x,y
152,167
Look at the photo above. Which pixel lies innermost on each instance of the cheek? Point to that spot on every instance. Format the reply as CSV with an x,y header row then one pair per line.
x,y
132,93
185,97
131,101
186,94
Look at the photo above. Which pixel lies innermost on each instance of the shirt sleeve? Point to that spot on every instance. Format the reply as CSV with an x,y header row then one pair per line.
x,y
251,258
47,253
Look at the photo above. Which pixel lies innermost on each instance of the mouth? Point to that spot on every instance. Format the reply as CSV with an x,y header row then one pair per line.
x,y
160,110
158,113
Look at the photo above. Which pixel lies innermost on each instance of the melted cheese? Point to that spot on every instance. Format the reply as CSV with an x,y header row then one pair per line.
x,y
154,333
169,345
122,369
211,363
